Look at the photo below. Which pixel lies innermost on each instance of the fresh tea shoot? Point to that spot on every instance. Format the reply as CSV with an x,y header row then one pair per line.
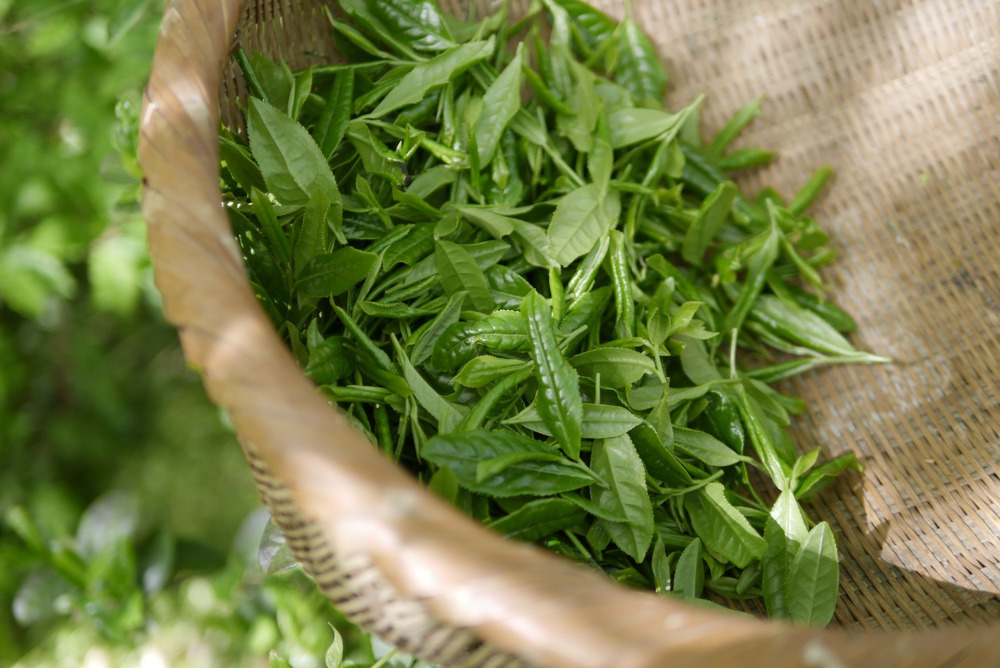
x,y
539,290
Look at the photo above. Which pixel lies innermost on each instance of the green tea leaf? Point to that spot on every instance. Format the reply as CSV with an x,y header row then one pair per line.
x,y
432,74
458,271
486,369
711,215
418,21
635,125
721,526
599,421
813,578
639,68
332,123
292,164
705,447
618,464
463,452
329,361
689,576
330,274
447,414
240,164
617,367
800,325
581,219
817,479
500,102
313,234
446,318
758,266
500,331
540,518
558,399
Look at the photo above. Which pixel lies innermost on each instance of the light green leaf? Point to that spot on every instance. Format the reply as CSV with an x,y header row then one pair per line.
x,y
599,421
581,219
618,464
635,125
432,74
500,102
705,447
618,367
721,526
485,369
689,576
814,578
289,159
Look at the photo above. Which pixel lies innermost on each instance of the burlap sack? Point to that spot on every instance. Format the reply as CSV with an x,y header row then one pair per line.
x,y
902,98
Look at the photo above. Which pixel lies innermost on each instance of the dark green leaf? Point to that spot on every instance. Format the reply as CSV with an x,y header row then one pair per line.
x,y
240,164
463,452
537,519
329,361
458,271
445,319
711,216
332,123
279,243
447,414
330,274
419,22
558,399
500,331
313,234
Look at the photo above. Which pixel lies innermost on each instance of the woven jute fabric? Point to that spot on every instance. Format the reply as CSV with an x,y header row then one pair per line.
x,y
902,99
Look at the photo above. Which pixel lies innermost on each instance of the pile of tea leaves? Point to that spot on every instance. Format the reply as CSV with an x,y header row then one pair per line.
x,y
540,291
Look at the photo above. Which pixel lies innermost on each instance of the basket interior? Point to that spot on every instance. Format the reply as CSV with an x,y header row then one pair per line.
x,y
902,99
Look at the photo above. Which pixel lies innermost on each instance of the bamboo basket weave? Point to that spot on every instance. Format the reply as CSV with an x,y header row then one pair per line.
x,y
902,98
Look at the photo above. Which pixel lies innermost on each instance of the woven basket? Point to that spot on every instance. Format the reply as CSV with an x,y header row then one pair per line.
x,y
902,98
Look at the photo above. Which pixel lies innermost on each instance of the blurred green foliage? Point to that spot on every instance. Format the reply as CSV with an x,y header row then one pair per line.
x,y
122,493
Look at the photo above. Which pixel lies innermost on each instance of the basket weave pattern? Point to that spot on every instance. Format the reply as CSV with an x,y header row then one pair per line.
x,y
903,100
